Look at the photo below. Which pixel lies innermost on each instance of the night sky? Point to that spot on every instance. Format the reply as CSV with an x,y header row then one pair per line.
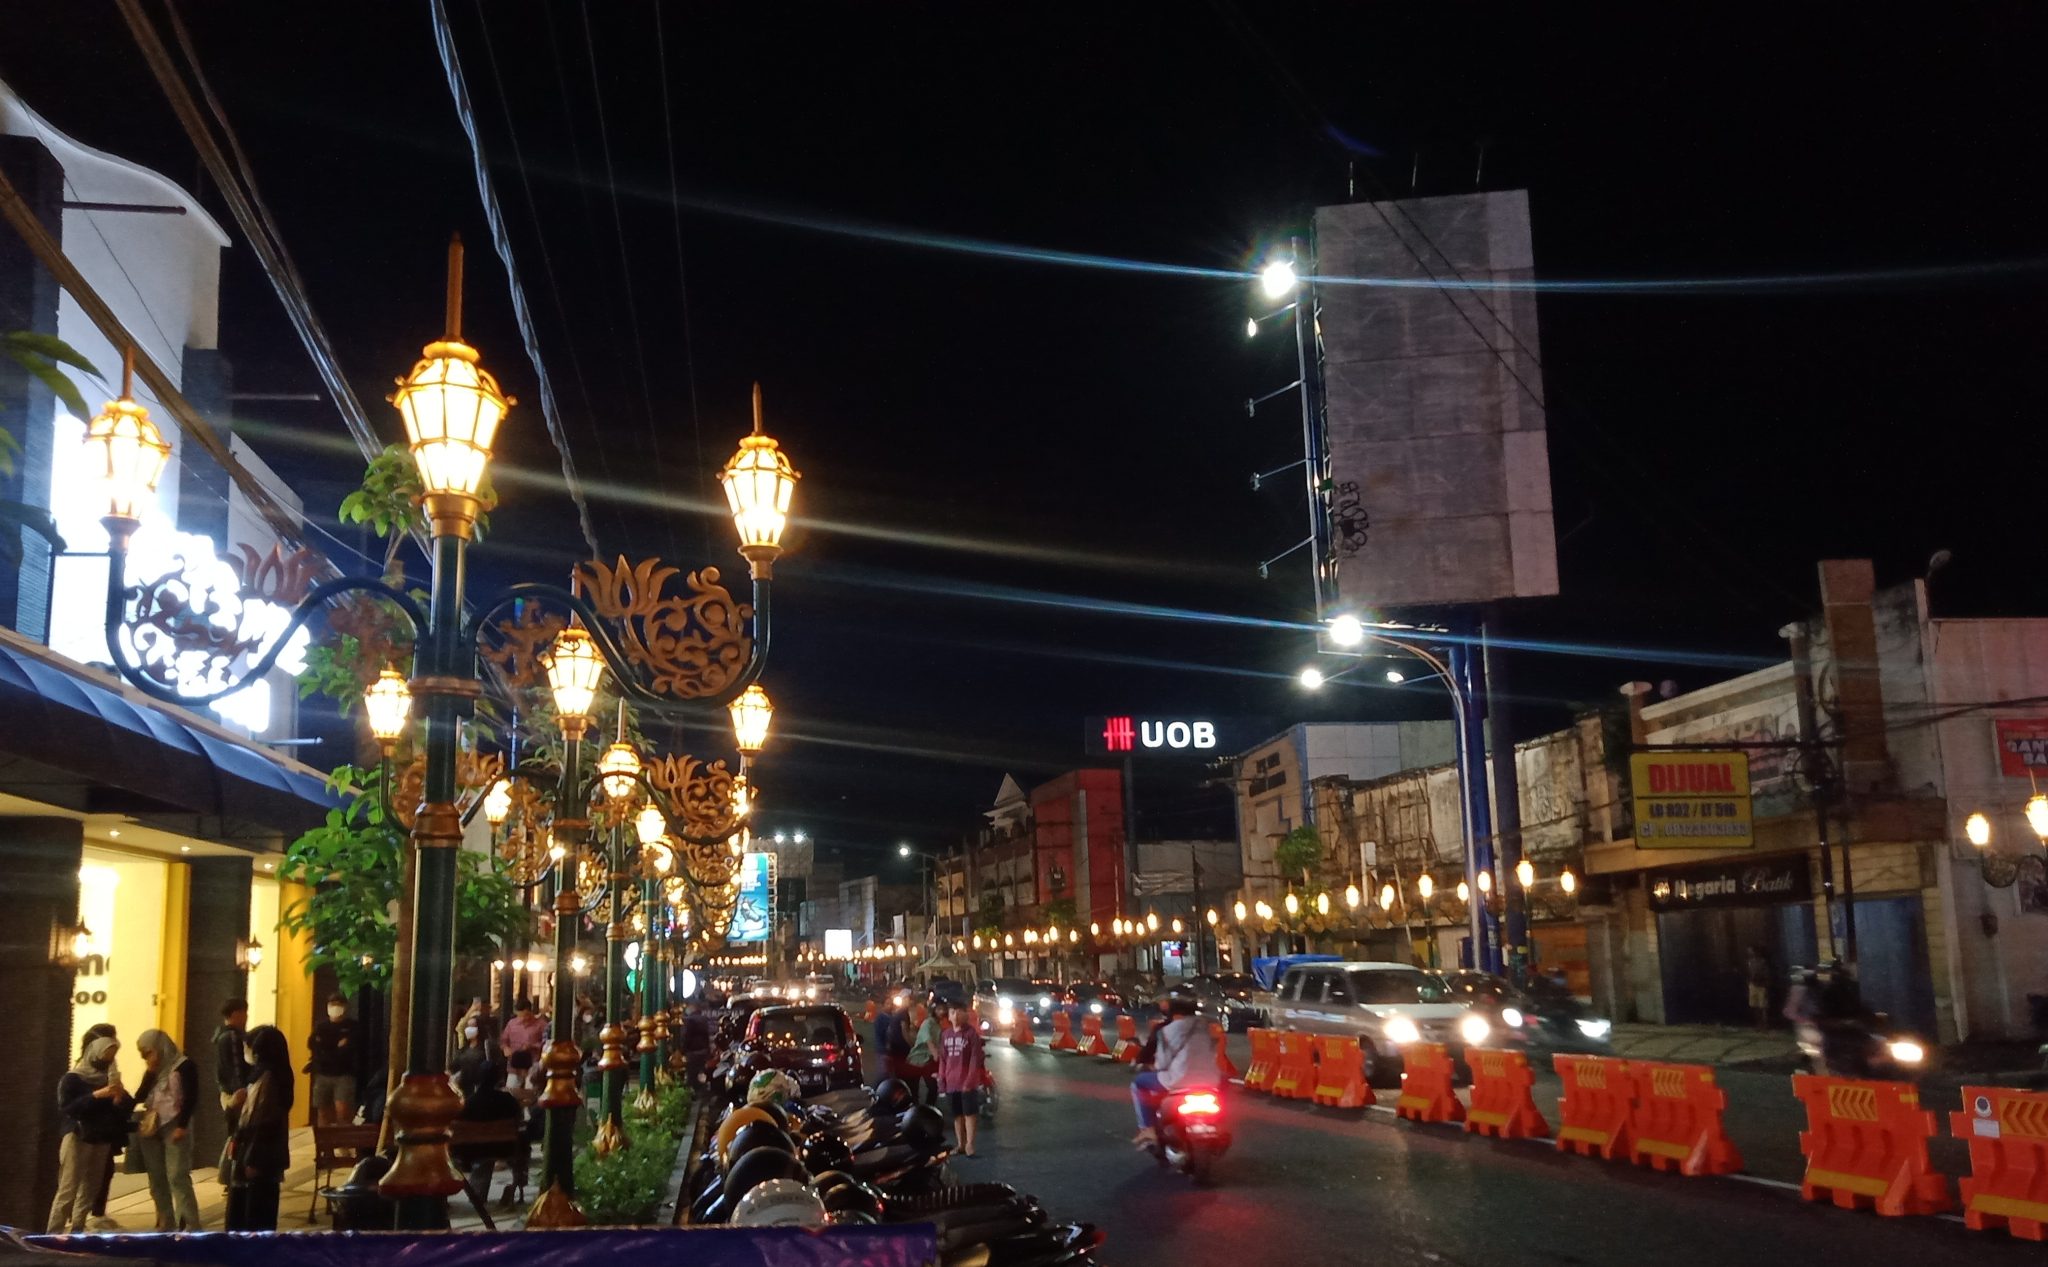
x,y
980,433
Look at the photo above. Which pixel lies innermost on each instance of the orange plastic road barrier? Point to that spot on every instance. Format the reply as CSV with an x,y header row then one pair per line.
x,y
1091,1029
1127,1044
1426,1093
1866,1146
1676,1120
1501,1105
1295,1076
1063,1033
2008,1182
1223,1065
1265,1059
869,1012
1340,1074
1593,1115
1020,1032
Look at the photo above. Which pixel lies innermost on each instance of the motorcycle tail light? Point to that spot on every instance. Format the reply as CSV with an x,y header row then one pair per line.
x,y
1201,1106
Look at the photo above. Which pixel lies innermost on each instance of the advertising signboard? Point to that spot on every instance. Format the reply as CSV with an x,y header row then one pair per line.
x,y
1691,800
1126,735
2023,746
753,920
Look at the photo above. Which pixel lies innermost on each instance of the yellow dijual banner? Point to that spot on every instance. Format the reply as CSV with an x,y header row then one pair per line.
x,y
1691,800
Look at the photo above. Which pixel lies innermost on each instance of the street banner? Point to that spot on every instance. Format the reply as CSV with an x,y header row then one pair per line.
x,y
2022,746
900,1245
1691,800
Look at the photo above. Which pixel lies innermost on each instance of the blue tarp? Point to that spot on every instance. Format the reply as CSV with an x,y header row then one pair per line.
x,y
1269,971
904,1245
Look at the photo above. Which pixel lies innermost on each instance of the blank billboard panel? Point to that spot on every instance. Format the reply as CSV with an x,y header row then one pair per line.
x,y
1433,415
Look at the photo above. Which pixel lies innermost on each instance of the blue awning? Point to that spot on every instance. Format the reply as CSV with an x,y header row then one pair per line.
x,y
58,716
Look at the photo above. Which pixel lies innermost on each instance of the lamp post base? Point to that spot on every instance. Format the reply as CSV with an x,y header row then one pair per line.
x,y
422,1178
555,1209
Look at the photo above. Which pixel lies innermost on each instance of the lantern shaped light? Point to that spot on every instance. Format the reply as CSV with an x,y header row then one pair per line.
x,y
1464,891
759,485
1152,920
618,770
1486,882
126,453
1073,936
1212,917
1386,897
1292,903
1094,929
1322,904
1238,911
1351,896
751,713
1425,884
1177,926
575,670
452,408
498,803
1525,873
1568,882
1978,828
649,825
388,701
2037,814
1263,910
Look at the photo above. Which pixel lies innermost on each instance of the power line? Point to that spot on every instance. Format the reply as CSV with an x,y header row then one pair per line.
x,y
451,66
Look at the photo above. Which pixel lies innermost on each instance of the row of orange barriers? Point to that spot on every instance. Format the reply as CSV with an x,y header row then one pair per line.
x,y
1302,1067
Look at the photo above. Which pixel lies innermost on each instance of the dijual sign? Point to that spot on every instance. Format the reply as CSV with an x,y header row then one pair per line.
x,y
1691,800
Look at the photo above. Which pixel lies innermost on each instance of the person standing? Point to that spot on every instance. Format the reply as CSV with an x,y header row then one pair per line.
x,y
230,1071
261,1148
921,1066
169,1093
95,1109
333,1065
1757,967
962,1071
99,1222
478,1061
525,1031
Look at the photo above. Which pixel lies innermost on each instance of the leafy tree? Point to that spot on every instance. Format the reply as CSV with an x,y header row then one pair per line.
x,y
43,357
1299,853
1060,911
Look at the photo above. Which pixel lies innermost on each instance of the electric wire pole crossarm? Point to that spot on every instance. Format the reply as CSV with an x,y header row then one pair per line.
x,y
452,408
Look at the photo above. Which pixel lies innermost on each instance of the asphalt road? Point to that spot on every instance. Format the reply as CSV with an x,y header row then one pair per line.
x,y
1304,1184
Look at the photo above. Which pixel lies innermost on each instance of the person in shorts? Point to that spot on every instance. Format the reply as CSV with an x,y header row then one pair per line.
x,y
962,1071
333,1065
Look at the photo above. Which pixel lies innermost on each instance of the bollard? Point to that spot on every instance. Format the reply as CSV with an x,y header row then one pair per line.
x,y
1593,1115
1501,1104
1426,1091
1675,1123
2008,1182
1340,1074
1866,1146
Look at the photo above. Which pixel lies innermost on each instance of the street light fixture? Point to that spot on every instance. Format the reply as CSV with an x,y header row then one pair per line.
x,y
575,670
2037,814
1978,828
1351,896
126,453
1525,873
1278,279
1395,677
388,703
498,803
759,486
1347,630
1568,882
1386,897
751,714
1311,679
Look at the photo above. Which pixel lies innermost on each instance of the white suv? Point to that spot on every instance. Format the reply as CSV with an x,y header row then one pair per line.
x,y
1385,1006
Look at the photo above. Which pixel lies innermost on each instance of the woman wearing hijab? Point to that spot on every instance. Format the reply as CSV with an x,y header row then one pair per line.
x,y
262,1143
99,1221
95,1109
169,1093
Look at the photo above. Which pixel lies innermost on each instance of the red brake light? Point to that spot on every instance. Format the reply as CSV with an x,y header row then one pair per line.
x,y
1203,1105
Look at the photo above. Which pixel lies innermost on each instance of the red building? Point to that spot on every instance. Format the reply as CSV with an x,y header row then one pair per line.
x,y
1078,843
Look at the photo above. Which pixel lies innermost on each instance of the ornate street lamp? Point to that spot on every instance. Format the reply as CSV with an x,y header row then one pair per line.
x,y
759,484
452,408
498,803
751,714
388,704
126,453
575,671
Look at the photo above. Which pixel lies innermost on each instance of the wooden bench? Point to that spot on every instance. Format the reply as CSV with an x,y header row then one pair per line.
x,y
500,1141
335,1147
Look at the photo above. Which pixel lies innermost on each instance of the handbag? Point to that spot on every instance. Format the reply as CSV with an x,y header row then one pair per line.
x,y
149,1125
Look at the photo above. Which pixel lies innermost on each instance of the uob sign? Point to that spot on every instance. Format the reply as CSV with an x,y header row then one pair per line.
x,y
1138,735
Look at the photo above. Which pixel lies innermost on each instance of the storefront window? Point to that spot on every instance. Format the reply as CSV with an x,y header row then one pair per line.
x,y
121,899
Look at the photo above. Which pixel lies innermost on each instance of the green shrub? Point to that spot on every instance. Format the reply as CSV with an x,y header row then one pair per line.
x,y
629,1185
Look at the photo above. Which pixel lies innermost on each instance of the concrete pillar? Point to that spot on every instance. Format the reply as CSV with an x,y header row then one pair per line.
x,y
1846,589
28,301
218,918
40,858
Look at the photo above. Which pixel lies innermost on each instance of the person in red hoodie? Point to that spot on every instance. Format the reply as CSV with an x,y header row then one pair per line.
x,y
961,1072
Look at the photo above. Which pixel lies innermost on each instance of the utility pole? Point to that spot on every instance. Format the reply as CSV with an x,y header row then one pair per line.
x,y
1813,764
1507,806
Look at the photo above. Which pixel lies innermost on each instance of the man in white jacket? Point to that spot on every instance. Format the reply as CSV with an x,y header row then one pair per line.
x,y
1183,1055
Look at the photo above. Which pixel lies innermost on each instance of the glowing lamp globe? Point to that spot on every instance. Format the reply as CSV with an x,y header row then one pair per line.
x,y
1978,828
498,803
1152,920
451,408
1486,881
649,825
1278,279
388,702
1386,897
1525,873
2037,814
575,670
1464,891
1568,882
751,713
1351,896
759,485
618,770
1292,903
126,454
1237,909
1425,884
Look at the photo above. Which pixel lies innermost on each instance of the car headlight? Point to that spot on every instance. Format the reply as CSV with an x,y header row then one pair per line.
x,y
1596,1028
1401,1031
1906,1051
1003,1000
1045,1000
1511,1017
1095,1008
1472,1027
1004,1016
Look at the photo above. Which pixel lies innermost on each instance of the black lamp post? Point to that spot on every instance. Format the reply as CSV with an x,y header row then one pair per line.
x,y
452,407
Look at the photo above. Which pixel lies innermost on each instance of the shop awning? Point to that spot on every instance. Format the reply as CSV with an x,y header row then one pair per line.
x,y
59,717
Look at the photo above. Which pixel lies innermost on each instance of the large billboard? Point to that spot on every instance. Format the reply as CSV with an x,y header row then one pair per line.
x,y
1691,800
753,919
1433,421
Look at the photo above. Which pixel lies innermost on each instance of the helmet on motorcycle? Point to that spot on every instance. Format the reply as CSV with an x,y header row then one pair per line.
x,y
757,1135
827,1180
758,1167
734,1122
825,1153
922,1127
772,1086
853,1197
779,1112
779,1203
892,1095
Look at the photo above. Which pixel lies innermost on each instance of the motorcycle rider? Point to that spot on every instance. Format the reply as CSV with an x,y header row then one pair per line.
x,y
1826,1001
1184,1055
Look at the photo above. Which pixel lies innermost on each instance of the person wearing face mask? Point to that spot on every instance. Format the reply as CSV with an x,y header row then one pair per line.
x,y
99,1222
261,1149
478,1055
333,1065
231,1071
168,1095
525,1031
95,1109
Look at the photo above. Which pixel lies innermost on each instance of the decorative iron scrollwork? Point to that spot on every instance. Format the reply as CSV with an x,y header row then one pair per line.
x,y
692,646
524,637
699,794
185,626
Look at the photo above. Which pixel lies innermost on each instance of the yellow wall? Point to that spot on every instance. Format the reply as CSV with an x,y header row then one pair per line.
x,y
261,988
122,899
295,1001
170,992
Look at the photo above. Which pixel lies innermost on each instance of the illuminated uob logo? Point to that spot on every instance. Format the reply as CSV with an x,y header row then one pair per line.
x,y
1123,734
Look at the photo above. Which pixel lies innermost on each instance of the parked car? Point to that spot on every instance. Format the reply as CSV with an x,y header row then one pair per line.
x,y
813,1043
1385,1006
997,1000
1231,999
1539,1017
1080,999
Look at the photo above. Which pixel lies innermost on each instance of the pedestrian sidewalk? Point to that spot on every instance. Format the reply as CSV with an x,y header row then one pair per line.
x,y
1704,1044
